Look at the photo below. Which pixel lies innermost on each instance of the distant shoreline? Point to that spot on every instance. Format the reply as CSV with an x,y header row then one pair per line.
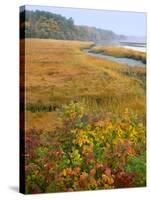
x,y
137,48
134,45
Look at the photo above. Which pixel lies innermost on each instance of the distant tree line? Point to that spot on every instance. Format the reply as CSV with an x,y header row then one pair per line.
x,y
41,24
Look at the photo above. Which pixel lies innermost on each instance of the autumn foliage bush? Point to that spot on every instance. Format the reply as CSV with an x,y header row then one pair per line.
x,y
87,152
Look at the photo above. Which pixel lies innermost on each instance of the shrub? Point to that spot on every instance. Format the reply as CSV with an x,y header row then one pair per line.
x,y
87,154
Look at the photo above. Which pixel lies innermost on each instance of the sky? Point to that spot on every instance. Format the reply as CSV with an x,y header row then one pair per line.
x,y
120,22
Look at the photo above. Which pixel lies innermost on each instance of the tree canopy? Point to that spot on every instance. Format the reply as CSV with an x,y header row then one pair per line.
x,y
41,24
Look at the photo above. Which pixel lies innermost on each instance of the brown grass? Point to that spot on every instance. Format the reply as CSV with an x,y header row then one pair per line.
x,y
58,71
120,52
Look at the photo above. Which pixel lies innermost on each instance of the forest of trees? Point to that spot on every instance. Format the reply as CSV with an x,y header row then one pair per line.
x,y
41,24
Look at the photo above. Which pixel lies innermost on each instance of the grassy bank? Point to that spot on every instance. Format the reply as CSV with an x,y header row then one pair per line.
x,y
120,52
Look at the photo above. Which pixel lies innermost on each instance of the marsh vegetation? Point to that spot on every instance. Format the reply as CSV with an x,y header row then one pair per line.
x,y
120,52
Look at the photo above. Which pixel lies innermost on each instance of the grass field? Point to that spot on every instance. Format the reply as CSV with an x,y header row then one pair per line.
x,y
58,72
81,113
120,52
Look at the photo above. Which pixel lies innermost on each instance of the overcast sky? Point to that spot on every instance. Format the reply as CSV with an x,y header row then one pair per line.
x,y
127,23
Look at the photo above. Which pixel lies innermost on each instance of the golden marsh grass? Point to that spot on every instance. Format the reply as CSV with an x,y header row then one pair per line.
x,y
120,52
58,72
